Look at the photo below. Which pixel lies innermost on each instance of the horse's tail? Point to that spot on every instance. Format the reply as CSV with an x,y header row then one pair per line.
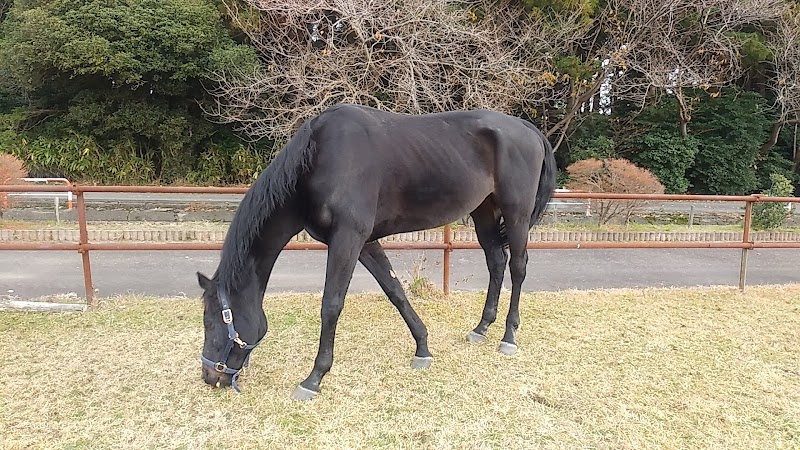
x,y
547,179
273,187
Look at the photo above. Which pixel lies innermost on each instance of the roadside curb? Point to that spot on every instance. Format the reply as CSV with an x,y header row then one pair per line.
x,y
48,235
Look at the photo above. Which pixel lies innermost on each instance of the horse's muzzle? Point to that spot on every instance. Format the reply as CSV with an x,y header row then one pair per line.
x,y
215,378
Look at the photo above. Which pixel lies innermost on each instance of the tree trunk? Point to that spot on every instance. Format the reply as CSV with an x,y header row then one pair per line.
x,y
773,137
795,153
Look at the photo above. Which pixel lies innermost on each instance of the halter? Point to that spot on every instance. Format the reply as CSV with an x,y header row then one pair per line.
x,y
233,338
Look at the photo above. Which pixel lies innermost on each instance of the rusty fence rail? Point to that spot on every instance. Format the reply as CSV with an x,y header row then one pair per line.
x,y
84,247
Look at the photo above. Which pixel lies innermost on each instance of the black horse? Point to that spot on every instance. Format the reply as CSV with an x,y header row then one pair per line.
x,y
353,175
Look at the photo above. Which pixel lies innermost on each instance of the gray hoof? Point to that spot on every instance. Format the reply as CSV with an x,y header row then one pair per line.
x,y
475,337
507,349
420,362
302,394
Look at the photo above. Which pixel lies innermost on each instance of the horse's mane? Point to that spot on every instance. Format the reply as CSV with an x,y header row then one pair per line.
x,y
270,190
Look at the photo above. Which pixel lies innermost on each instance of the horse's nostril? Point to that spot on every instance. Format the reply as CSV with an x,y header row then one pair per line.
x,y
214,378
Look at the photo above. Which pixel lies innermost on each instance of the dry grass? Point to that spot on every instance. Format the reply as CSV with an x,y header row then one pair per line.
x,y
662,368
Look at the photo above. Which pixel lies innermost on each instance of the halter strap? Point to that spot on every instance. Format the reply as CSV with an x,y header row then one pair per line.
x,y
233,338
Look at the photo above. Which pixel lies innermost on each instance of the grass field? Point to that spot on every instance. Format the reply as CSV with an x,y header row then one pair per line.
x,y
660,368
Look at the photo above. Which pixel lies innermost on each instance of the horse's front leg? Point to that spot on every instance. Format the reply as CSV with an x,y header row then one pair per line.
x,y
343,250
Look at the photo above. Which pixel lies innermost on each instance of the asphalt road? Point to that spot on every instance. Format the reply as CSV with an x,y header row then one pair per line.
x,y
574,205
171,273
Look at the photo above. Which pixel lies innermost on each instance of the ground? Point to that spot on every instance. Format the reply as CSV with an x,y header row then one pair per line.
x,y
644,368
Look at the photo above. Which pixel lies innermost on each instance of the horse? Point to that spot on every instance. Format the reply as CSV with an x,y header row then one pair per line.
x,y
354,174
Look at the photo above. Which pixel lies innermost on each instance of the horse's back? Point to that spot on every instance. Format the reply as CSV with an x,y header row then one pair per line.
x,y
472,136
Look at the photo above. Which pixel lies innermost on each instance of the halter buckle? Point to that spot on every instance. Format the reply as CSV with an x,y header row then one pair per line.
x,y
220,367
227,315
239,342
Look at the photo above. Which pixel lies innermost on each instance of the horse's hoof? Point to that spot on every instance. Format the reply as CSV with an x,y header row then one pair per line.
x,y
475,337
507,349
421,362
302,394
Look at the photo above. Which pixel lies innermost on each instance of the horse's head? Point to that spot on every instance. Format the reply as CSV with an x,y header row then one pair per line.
x,y
228,342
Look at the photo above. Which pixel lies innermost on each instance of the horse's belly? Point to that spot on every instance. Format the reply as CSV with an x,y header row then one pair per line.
x,y
423,207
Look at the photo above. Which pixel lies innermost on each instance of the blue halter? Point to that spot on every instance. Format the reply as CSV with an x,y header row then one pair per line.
x,y
233,338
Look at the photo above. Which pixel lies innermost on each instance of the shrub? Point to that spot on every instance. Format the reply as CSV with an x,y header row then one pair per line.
x,y
617,176
768,216
668,156
11,169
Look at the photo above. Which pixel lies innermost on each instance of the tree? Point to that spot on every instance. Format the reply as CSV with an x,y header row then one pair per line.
x,y
729,130
616,176
11,170
416,56
111,88
687,45
785,44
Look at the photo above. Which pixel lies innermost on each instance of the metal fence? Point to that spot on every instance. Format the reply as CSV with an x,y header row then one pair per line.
x,y
84,247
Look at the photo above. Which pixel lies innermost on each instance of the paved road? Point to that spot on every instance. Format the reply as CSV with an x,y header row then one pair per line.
x,y
572,205
170,273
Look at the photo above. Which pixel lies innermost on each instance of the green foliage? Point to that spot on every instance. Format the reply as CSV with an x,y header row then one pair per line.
x,y
730,130
768,216
151,43
113,87
587,7
228,162
77,156
772,163
597,147
652,139
719,156
754,48
668,156
592,138
575,68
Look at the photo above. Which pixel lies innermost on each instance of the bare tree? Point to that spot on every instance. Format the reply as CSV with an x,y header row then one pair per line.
x,y
11,170
686,45
785,42
423,56
5,6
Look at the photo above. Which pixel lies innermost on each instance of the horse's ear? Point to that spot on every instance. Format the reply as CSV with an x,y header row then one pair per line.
x,y
204,282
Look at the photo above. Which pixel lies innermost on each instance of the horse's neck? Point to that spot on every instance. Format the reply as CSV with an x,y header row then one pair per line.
x,y
275,233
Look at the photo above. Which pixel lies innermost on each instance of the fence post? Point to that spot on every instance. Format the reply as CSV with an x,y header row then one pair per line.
x,y
446,260
84,240
748,219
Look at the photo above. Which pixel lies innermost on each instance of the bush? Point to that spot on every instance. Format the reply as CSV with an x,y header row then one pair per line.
x,y
668,156
768,216
11,169
617,176
237,164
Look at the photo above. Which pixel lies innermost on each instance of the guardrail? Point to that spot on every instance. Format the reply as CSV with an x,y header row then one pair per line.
x,y
84,247
57,195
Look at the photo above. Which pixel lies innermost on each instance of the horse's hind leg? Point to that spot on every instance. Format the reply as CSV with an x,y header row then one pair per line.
x,y
487,227
374,259
517,232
